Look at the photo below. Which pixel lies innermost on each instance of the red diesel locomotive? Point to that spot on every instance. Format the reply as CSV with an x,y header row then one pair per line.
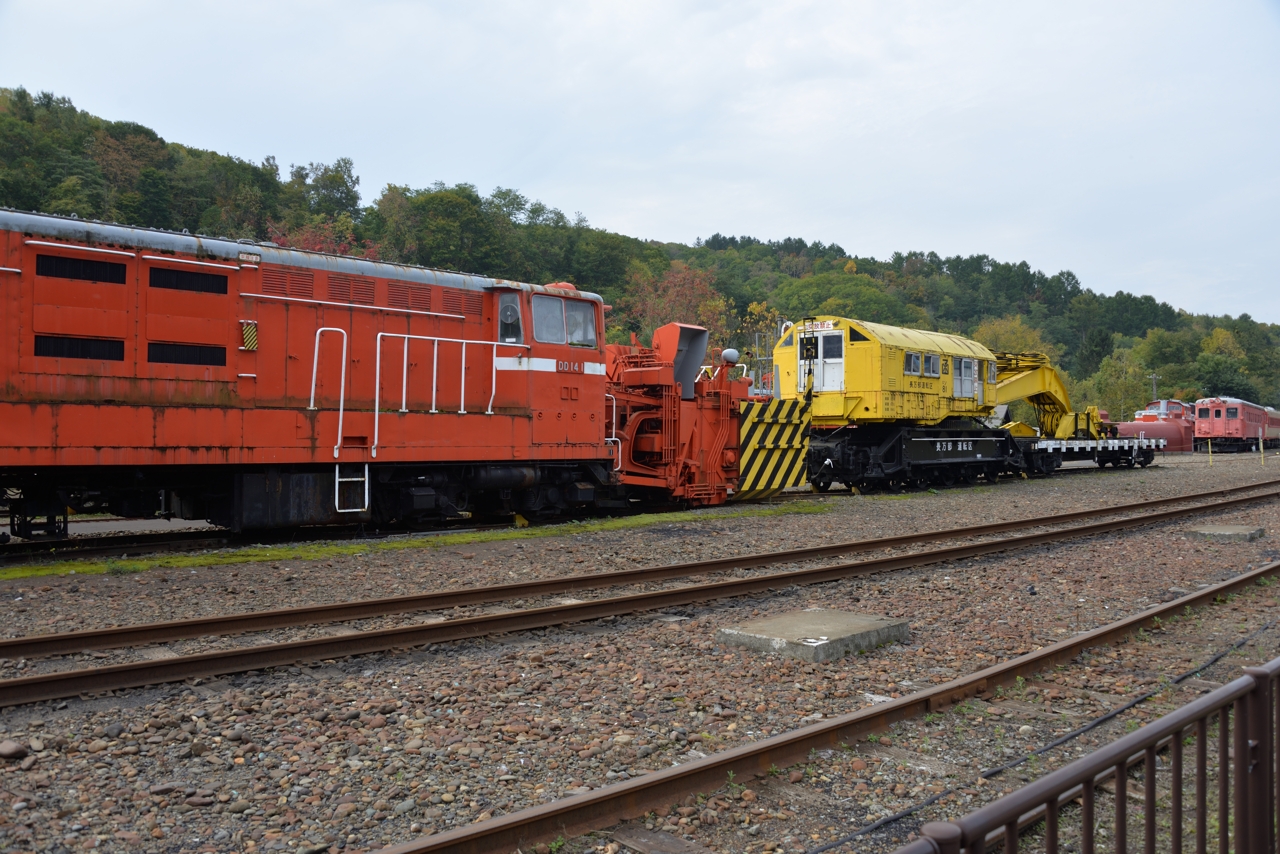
x,y
256,386
1232,424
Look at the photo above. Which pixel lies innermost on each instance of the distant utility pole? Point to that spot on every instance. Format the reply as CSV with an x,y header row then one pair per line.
x,y
1153,377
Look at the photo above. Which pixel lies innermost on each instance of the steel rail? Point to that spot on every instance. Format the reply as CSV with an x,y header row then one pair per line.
x,y
69,642
633,798
50,686
78,548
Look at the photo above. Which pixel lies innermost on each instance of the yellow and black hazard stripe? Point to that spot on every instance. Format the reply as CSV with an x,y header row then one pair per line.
x,y
773,444
249,334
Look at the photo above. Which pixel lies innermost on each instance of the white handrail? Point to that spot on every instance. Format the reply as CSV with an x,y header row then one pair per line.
x,y
435,361
342,393
613,439
338,480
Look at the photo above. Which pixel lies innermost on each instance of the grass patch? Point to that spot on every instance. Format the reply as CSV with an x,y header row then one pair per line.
x,y
327,549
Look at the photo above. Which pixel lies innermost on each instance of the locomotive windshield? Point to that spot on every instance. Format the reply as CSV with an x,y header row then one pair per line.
x,y
559,321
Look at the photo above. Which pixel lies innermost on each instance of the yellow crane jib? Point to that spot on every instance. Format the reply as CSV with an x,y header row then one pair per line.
x,y
1031,377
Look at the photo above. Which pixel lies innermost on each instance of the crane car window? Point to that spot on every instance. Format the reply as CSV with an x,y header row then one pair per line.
x,y
509,331
580,321
855,335
932,366
832,347
991,372
911,364
786,342
1204,412
1232,412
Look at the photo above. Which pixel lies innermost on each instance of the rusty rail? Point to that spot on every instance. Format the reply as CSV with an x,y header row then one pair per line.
x,y
1247,718
52,686
635,797
70,642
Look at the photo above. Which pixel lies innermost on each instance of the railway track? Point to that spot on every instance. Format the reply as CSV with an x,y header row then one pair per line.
x,y
62,643
635,797
124,545
57,685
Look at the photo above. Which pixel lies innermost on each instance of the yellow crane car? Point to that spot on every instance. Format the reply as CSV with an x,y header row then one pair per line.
x,y
894,407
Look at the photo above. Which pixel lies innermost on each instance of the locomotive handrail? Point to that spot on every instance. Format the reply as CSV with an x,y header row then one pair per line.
x,y
613,431
342,393
435,361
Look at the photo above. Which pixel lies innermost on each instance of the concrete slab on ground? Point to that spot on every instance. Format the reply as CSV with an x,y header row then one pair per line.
x,y
815,635
656,842
1228,533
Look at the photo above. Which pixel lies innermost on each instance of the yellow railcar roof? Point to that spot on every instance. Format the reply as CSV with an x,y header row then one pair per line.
x,y
919,339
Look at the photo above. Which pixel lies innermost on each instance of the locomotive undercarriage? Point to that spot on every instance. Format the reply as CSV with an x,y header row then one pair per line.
x,y
887,456
249,498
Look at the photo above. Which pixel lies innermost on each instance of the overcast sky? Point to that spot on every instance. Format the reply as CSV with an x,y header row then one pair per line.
x,y
1136,144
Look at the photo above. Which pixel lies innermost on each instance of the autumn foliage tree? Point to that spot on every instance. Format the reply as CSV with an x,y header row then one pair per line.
x,y
683,295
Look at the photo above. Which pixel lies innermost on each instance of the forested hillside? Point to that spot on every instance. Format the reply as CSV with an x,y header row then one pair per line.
x,y
58,159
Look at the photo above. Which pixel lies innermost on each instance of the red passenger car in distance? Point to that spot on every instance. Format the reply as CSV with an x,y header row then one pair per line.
x,y
1232,424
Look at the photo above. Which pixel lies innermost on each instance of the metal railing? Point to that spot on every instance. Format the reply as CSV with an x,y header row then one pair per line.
x,y
1232,734
435,363
342,393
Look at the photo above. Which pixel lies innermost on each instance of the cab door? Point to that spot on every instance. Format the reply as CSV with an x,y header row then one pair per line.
x,y
828,365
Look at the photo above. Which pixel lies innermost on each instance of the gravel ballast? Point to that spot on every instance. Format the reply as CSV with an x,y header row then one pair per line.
x,y
354,754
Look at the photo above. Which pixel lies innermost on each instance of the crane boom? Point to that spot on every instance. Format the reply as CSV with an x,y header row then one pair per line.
x,y
1031,377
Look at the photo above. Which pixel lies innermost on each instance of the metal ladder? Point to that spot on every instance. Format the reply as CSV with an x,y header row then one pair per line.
x,y
338,480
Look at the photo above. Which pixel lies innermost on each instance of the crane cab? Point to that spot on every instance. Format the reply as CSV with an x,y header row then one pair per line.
x,y
869,372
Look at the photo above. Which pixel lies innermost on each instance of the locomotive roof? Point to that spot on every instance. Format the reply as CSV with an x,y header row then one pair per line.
x,y
94,232
919,339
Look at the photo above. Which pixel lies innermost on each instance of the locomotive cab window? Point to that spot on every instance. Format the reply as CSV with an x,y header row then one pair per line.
x,y
1204,412
580,321
560,321
932,365
1217,413
1233,412
911,364
509,330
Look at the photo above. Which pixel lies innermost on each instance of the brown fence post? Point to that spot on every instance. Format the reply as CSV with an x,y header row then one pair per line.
x,y
944,834
1260,764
